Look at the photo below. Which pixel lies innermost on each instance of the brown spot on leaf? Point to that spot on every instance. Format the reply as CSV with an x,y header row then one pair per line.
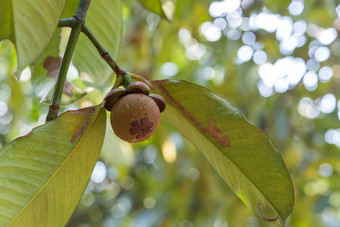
x,y
52,64
217,134
212,129
85,112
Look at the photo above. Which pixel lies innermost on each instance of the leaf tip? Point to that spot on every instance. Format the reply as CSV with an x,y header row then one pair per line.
x,y
267,213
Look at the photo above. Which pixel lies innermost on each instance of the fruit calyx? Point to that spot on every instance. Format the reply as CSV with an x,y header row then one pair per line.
x,y
134,88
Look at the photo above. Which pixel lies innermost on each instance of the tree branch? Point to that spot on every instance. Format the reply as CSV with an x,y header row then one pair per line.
x,y
79,18
67,22
103,53
82,10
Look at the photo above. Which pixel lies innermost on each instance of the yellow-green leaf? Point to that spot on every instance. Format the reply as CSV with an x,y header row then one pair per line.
x,y
44,174
242,154
30,26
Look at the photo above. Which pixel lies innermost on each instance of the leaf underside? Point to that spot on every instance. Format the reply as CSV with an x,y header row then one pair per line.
x,y
44,174
242,154
30,26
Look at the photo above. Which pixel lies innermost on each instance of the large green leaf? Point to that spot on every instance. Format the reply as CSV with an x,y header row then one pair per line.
x,y
242,154
30,26
104,18
44,174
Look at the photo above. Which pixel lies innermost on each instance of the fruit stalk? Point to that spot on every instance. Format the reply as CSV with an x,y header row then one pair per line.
x,y
126,81
103,52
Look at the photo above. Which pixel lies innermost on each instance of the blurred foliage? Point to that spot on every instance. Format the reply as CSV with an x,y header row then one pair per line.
x,y
166,181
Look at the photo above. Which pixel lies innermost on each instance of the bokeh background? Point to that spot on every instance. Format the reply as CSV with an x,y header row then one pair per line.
x,y
277,61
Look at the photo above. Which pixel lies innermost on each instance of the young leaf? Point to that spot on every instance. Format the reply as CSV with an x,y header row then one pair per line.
x,y
242,154
30,26
44,174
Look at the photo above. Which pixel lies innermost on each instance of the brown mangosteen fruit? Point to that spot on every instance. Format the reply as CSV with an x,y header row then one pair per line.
x,y
135,117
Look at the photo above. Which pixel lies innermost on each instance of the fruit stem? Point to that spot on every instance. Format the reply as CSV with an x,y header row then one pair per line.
x,y
126,80
139,78
79,18
118,82
103,53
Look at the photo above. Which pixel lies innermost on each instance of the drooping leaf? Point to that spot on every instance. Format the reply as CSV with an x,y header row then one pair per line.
x,y
30,26
242,154
44,174
104,18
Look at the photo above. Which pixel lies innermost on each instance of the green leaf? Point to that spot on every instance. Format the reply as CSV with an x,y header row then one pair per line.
x,y
104,18
164,9
30,26
44,174
242,154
